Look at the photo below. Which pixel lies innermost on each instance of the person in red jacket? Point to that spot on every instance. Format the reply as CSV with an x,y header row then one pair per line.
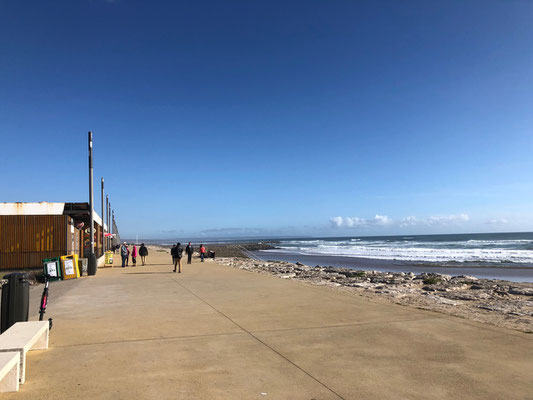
x,y
202,252
134,256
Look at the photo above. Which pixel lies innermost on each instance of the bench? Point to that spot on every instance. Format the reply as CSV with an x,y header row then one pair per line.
x,y
23,337
9,371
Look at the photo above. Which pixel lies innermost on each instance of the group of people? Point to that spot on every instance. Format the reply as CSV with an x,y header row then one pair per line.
x,y
125,253
177,253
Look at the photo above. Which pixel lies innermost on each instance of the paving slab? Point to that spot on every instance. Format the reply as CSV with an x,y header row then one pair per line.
x,y
213,367
423,359
132,306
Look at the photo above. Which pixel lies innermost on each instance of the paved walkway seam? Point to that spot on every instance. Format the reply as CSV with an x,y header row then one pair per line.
x,y
346,325
150,339
260,341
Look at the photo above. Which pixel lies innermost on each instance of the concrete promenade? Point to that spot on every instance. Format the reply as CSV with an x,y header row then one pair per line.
x,y
214,332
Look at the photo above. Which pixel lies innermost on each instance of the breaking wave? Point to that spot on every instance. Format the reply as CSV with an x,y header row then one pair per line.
x,y
420,249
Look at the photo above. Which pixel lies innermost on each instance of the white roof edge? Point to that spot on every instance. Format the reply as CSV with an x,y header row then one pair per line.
x,y
42,208
97,218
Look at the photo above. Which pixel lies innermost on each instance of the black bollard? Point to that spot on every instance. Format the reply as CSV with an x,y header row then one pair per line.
x,y
91,264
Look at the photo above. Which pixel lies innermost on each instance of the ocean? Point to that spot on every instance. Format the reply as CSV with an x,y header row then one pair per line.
x,y
486,255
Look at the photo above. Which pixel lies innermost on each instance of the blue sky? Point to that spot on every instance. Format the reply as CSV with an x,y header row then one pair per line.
x,y
247,118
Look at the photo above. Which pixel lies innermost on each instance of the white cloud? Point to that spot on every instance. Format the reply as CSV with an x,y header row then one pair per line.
x,y
353,222
409,221
497,221
336,221
381,220
447,219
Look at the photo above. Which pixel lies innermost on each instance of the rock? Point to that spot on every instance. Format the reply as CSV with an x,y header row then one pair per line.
x,y
363,285
288,276
469,296
467,278
442,300
520,291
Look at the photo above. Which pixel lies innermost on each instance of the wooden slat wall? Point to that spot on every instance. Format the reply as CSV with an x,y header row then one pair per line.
x,y
26,239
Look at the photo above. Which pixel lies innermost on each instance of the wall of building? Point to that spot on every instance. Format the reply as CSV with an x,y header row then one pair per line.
x,y
26,239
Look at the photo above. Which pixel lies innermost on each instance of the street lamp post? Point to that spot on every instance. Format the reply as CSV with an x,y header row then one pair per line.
x,y
108,245
91,267
103,220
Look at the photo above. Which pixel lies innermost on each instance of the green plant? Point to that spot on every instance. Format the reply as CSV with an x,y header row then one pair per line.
x,y
431,280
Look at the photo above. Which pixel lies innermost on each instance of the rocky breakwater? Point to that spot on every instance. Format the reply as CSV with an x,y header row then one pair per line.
x,y
500,303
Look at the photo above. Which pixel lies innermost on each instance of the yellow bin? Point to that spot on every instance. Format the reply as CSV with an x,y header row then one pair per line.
x,y
69,266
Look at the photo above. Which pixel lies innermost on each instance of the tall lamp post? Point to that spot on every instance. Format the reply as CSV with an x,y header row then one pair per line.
x,y
110,224
103,220
91,267
113,225
107,221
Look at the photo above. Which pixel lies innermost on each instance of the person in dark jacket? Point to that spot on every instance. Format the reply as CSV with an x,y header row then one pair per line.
x,y
189,250
143,252
178,253
172,250
124,252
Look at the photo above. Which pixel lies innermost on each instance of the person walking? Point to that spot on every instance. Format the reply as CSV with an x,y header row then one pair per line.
x,y
124,254
202,252
143,252
134,256
178,253
172,250
189,250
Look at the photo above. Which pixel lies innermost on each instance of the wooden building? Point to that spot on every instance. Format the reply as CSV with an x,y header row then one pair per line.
x,y
30,232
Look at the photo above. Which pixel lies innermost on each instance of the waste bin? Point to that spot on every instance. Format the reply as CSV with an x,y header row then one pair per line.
x,y
69,266
15,299
52,267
